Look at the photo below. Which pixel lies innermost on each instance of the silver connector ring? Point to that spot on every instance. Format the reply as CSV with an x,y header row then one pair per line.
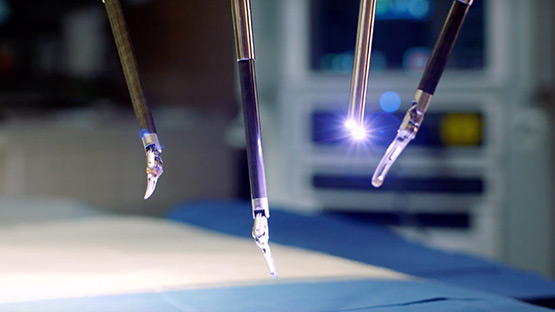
x,y
422,99
151,139
260,205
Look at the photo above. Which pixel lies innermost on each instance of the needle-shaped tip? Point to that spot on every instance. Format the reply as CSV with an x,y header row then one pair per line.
x,y
154,169
261,235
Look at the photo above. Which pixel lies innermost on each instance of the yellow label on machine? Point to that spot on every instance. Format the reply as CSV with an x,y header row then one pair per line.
x,y
461,129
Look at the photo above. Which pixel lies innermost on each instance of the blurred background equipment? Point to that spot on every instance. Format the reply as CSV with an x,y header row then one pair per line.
x,y
66,113
478,178
479,175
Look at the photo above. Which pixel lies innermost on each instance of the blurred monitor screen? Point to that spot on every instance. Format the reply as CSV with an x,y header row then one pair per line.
x,y
404,35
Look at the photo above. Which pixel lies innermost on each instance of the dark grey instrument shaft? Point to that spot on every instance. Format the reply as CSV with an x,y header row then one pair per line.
x,y
244,43
251,118
129,65
444,45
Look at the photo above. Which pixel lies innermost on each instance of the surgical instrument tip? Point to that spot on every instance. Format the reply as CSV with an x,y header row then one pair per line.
x,y
261,234
428,84
407,131
154,168
242,21
140,105
393,151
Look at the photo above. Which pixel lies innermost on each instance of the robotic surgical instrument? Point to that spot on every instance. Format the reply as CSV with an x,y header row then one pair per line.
x,y
428,83
147,133
241,11
361,68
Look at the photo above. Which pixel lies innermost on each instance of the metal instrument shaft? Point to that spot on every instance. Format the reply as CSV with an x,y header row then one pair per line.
x,y
129,65
241,10
361,65
428,84
147,132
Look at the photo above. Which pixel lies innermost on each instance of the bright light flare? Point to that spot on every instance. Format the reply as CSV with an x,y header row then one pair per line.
x,y
357,131
350,124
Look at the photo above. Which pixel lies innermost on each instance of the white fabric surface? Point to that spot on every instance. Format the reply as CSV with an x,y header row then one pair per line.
x,y
26,210
106,255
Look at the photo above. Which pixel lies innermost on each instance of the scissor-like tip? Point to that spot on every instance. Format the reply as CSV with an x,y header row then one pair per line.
x,y
154,169
407,131
261,235
391,155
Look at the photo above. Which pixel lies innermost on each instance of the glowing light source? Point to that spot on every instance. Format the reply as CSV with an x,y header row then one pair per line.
x,y
350,124
358,133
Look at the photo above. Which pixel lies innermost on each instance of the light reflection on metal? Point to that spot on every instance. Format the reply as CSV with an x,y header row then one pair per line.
x,y
361,65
